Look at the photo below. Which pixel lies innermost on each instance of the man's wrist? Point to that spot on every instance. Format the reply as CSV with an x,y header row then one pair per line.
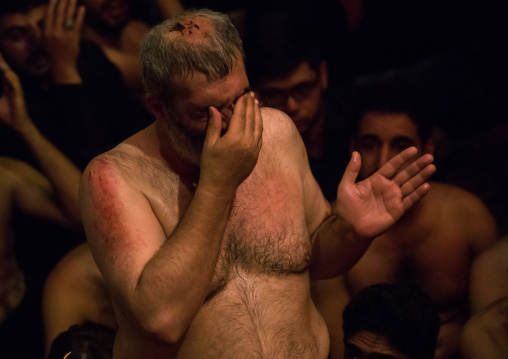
x,y
215,194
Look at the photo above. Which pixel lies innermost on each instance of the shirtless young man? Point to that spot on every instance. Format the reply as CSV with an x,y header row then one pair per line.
x,y
207,241
432,245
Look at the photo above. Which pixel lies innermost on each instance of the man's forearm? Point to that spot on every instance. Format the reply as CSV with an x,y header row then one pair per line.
x,y
176,281
336,248
63,175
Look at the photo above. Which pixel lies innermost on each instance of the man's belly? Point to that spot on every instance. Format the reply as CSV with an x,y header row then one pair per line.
x,y
252,317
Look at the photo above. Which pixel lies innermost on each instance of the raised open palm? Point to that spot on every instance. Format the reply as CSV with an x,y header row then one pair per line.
x,y
376,203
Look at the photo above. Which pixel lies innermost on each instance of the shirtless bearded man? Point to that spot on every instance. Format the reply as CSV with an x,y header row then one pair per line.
x,y
208,224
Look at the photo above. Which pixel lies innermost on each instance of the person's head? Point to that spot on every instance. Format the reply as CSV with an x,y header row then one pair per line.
x,y
190,63
386,119
21,36
86,341
390,321
107,16
286,65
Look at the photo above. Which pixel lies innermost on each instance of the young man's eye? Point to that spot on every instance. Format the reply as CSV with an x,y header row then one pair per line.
x,y
200,115
367,145
401,146
304,89
17,34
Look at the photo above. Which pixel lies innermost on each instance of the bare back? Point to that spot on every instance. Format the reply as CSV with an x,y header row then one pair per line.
x,y
259,302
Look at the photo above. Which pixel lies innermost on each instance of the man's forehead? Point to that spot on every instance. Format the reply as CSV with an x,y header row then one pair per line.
x,y
198,84
33,15
301,73
387,120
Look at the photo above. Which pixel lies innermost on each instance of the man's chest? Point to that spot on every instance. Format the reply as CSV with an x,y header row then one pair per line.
x,y
440,266
266,232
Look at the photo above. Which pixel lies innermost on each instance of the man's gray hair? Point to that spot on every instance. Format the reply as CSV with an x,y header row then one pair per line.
x,y
164,59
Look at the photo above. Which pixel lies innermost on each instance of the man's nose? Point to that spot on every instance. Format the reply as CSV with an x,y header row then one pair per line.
x,y
35,35
227,113
384,156
292,105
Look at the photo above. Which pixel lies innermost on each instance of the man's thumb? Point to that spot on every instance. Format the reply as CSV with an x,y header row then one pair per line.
x,y
353,168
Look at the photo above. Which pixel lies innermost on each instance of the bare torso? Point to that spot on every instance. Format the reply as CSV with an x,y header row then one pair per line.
x,y
433,246
259,303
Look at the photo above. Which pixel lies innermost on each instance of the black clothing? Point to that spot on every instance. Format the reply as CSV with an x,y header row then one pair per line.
x,y
82,121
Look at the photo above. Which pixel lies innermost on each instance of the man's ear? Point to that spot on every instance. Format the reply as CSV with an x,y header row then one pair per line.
x,y
323,74
156,107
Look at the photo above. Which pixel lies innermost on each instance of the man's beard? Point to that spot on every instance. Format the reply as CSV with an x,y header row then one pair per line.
x,y
103,27
188,145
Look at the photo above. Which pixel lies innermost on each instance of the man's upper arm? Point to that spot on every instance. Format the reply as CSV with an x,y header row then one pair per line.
x,y
317,207
489,277
32,192
478,222
478,228
121,227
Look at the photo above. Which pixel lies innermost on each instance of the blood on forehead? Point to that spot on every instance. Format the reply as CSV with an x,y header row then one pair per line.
x,y
185,28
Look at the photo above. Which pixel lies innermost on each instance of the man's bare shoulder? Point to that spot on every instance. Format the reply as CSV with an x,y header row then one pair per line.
x,y
492,262
135,161
463,210
279,130
456,199
109,169
277,123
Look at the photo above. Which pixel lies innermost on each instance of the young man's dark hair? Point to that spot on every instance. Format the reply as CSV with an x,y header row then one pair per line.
x,y
12,7
277,42
86,341
391,96
403,314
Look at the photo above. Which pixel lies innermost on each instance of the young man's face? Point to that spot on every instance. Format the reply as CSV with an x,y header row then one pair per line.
x,y
21,41
368,345
381,136
299,95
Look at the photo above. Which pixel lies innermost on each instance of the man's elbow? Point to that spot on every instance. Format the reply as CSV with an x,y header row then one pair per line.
x,y
168,328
